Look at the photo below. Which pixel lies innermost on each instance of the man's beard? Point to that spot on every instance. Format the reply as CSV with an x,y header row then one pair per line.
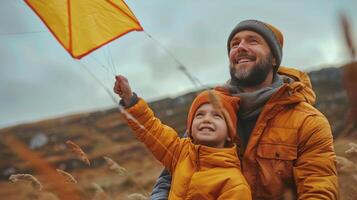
x,y
253,77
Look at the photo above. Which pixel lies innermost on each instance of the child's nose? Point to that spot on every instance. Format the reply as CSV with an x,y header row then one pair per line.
x,y
207,118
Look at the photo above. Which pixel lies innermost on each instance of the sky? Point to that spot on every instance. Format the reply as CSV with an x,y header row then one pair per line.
x,y
40,80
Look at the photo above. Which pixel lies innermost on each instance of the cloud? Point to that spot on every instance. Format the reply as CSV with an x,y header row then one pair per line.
x,y
53,89
14,17
39,79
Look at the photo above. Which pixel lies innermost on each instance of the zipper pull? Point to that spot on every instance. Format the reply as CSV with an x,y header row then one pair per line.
x,y
198,158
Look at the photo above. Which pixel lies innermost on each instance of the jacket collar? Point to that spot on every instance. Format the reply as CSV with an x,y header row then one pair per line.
x,y
204,157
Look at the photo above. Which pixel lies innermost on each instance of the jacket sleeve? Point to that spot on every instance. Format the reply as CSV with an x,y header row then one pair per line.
x,y
241,192
160,139
315,169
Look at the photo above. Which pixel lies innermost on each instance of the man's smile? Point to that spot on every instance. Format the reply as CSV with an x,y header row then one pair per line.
x,y
244,59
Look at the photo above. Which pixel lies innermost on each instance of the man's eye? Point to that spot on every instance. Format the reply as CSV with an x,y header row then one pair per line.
x,y
234,44
254,41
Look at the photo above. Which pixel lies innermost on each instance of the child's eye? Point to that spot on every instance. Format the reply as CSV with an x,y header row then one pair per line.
x,y
198,115
217,115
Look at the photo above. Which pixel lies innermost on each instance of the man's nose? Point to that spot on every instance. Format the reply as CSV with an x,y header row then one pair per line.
x,y
242,46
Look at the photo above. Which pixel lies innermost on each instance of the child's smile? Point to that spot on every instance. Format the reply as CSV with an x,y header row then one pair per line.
x,y
209,127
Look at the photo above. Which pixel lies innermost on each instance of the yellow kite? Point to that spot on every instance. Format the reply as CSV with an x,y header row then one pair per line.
x,y
82,26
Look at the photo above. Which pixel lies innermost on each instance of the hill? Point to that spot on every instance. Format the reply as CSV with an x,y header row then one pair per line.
x,y
104,133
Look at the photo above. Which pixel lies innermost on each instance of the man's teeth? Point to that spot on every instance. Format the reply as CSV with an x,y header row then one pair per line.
x,y
243,60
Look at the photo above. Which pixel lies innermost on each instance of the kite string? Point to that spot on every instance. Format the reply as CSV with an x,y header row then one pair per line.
x,y
108,65
21,33
111,60
195,81
108,91
107,56
122,109
101,65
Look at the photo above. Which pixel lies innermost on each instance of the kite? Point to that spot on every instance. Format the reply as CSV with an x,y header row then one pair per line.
x,y
82,26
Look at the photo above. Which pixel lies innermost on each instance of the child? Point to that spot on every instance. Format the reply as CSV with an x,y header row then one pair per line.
x,y
203,166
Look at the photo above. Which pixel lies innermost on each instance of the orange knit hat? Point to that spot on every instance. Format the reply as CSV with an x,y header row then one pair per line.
x,y
227,104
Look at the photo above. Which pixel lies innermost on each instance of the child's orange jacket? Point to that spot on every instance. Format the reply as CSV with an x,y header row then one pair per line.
x,y
198,172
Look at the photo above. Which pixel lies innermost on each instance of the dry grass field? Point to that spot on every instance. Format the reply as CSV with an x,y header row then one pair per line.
x,y
40,148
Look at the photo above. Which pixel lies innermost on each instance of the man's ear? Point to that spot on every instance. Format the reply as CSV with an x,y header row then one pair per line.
x,y
229,139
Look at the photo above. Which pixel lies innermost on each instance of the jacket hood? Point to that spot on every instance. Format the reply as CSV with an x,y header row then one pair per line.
x,y
298,86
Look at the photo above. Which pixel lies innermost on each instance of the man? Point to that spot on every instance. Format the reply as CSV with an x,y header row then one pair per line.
x,y
285,144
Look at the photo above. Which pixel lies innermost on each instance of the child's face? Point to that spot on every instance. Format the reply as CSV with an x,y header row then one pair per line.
x,y
209,127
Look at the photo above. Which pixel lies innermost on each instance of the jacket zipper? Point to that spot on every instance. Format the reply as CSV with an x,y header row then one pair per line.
x,y
197,168
198,159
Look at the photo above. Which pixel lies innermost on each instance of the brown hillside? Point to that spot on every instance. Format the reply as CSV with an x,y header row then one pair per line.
x,y
104,133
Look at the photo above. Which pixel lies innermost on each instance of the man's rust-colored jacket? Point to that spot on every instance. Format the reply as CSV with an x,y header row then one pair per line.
x,y
199,172
291,145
